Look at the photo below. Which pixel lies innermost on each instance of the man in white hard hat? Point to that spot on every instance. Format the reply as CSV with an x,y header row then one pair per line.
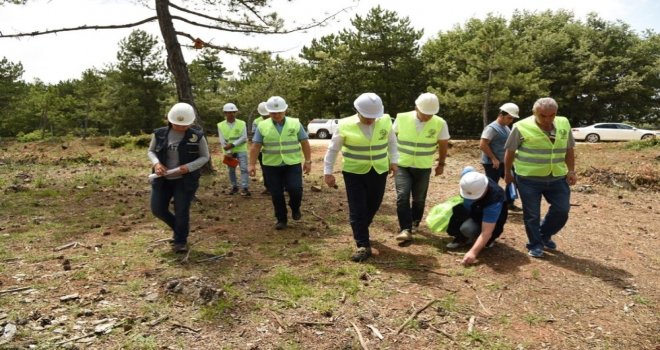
x,y
368,146
421,135
481,217
177,152
232,133
492,143
263,115
541,147
281,140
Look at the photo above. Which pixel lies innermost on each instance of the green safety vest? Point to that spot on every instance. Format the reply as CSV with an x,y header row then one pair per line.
x,y
440,215
361,154
258,120
417,150
282,147
233,134
537,155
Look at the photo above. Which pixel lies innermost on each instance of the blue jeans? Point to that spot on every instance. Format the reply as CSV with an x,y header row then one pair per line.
x,y
162,192
496,175
280,178
558,195
243,164
365,194
407,181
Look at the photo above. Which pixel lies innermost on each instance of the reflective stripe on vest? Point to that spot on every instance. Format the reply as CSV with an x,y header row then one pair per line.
x,y
233,134
537,155
417,150
284,147
361,154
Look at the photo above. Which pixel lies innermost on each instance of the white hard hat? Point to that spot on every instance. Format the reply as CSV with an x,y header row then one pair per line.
x,y
427,103
473,185
511,108
229,107
276,104
181,114
467,169
262,109
369,105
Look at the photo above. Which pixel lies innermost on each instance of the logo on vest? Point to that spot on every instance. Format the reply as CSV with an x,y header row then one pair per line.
x,y
431,133
383,134
291,132
563,134
194,138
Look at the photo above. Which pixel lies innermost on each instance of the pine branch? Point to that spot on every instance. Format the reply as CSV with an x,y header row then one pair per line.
x,y
84,27
221,20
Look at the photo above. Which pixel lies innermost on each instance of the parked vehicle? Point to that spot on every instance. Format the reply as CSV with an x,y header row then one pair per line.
x,y
612,132
322,128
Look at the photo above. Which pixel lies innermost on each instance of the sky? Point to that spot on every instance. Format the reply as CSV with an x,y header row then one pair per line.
x,y
55,57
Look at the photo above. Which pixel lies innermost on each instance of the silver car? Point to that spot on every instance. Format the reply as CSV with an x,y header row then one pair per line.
x,y
612,132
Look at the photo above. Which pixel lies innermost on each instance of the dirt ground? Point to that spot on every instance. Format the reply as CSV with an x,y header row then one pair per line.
x,y
85,264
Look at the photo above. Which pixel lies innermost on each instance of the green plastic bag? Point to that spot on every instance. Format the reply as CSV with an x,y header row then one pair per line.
x,y
439,216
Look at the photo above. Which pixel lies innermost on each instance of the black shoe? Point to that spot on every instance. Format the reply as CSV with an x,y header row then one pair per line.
x,y
180,248
361,254
296,215
245,193
281,225
513,207
233,191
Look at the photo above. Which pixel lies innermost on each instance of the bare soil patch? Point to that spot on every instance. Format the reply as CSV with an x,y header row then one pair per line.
x,y
85,264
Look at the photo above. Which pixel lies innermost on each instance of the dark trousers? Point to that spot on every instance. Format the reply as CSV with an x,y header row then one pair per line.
x,y
263,173
460,214
365,193
279,179
496,175
411,181
162,192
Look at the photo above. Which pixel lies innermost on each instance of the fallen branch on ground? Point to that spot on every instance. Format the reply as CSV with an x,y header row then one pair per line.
x,y
277,319
11,290
157,321
359,334
68,245
417,312
317,216
179,325
312,323
276,299
215,257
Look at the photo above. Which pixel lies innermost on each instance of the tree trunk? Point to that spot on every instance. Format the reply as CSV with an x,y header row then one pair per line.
x,y
175,62
177,65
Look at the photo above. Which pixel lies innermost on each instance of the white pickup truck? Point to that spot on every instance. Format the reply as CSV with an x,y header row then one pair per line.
x,y
322,128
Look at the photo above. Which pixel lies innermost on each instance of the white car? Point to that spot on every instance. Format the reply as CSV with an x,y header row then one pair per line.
x,y
611,132
322,128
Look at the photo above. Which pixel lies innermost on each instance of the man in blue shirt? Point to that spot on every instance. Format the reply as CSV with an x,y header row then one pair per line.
x,y
481,217
492,149
281,159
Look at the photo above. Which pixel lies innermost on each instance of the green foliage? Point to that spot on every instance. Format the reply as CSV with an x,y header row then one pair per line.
x,y
216,310
139,141
289,283
36,135
639,145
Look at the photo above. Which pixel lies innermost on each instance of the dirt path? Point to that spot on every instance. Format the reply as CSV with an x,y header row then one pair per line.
x,y
246,286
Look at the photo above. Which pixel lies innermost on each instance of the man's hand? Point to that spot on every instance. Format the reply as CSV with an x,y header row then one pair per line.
x,y
307,167
393,169
228,146
469,258
571,178
439,169
508,177
496,163
160,169
183,170
330,180
252,170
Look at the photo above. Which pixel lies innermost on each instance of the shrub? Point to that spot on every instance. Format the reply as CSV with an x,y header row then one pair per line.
x,y
637,145
141,141
36,135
